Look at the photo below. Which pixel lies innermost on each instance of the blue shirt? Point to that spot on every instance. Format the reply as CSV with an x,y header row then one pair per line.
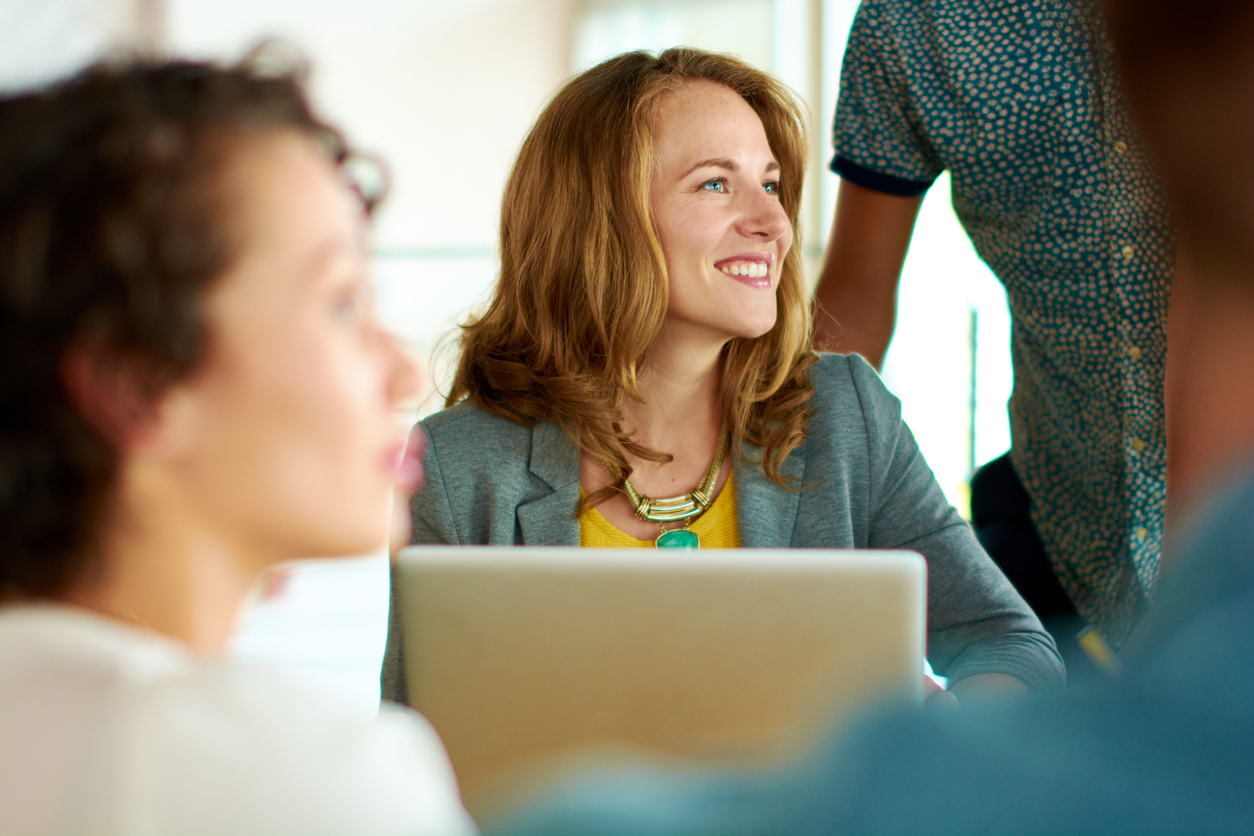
x,y
1168,748
1018,100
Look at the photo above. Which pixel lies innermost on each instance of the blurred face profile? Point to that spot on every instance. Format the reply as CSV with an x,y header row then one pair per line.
x,y
715,202
293,440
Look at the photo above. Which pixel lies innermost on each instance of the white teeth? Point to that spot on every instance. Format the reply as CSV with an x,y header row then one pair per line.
x,y
754,270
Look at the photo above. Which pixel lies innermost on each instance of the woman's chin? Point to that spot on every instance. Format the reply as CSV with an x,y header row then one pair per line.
x,y
753,330
369,535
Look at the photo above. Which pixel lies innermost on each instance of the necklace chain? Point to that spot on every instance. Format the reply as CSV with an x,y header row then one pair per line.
x,y
687,506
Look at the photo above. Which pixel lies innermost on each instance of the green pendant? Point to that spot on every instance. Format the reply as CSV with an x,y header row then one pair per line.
x,y
679,538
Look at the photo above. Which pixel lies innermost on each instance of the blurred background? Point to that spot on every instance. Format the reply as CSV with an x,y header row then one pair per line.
x,y
445,92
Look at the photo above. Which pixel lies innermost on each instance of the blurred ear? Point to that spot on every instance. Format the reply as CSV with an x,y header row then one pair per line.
x,y
111,395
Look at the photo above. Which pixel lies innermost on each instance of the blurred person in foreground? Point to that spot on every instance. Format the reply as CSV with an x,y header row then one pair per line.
x,y
642,376
1167,747
194,389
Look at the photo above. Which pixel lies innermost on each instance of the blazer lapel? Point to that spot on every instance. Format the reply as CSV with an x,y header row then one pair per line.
x,y
550,520
768,513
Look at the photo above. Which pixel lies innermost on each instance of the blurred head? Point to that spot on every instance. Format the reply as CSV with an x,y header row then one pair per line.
x,y
1189,72
598,254
182,272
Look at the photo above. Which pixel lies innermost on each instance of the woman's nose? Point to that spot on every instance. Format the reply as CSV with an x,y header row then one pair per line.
x,y
765,217
406,382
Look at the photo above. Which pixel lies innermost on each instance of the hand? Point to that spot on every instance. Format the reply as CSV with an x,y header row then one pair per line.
x,y
986,687
935,696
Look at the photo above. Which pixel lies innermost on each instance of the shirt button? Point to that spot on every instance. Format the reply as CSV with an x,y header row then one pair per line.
x,y
1134,352
1142,533
1128,252
1121,147
1138,445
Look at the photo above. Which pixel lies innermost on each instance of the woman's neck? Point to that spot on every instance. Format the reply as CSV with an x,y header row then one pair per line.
x,y
679,414
680,389
162,571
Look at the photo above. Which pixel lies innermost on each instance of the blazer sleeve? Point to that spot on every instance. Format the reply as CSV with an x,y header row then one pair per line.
x,y
432,524
976,621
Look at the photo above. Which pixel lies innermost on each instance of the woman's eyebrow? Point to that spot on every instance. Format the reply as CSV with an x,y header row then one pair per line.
x,y
715,162
726,163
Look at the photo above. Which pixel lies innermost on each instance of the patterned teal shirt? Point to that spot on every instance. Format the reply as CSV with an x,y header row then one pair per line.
x,y
1017,99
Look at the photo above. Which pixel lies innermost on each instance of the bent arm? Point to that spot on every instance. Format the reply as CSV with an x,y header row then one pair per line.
x,y
977,623
856,297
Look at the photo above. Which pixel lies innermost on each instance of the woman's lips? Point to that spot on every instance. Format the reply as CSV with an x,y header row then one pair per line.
x,y
407,465
752,269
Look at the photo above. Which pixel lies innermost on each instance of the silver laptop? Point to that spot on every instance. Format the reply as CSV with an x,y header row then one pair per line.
x,y
522,656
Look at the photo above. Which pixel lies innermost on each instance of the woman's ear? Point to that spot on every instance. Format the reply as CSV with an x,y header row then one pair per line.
x,y
111,395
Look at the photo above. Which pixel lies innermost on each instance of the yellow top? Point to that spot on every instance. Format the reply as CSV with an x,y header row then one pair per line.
x,y
716,527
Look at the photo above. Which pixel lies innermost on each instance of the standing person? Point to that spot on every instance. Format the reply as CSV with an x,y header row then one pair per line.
x,y
193,390
1019,102
648,342
1168,747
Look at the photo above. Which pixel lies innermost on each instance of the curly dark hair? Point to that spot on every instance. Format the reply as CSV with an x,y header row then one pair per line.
x,y
111,232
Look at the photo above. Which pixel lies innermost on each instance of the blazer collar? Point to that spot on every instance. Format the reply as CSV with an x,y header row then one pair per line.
x,y
767,512
550,519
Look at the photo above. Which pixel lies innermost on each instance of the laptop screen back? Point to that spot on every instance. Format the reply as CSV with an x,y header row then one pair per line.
x,y
520,655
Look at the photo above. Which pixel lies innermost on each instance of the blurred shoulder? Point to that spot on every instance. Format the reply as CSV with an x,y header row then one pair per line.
x,y
282,755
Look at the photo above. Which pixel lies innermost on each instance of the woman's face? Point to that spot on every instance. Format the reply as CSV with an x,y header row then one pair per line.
x,y
291,432
715,202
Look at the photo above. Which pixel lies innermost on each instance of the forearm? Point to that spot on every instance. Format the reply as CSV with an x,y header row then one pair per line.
x,y
850,317
978,625
856,297
976,622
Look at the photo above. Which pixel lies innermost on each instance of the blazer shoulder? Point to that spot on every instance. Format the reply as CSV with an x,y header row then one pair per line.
x,y
841,378
850,399
465,431
466,417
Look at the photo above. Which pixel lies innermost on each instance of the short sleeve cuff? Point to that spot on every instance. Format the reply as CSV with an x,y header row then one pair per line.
x,y
877,182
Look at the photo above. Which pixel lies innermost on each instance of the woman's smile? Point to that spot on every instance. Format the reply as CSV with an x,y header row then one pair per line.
x,y
753,269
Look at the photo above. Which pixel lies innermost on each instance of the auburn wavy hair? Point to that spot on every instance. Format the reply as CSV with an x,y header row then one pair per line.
x,y
583,288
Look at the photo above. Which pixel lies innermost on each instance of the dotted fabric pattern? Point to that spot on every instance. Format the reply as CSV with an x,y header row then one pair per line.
x,y
1019,101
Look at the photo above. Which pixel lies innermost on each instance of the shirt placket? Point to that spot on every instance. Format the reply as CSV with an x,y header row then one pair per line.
x,y
1140,346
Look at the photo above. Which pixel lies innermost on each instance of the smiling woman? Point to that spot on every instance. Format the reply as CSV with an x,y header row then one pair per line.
x,y
717,217
642,375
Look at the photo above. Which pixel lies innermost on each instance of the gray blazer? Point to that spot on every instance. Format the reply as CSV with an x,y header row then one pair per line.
x,y
865,485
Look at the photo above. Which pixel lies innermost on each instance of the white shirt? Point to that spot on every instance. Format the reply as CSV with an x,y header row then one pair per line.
x,y
105,729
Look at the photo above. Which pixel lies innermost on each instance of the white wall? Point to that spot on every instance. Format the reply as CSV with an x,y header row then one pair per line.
x,y
44,39
445,92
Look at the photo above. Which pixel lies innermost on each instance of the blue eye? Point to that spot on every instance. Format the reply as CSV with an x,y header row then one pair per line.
x,y
718,184
771,186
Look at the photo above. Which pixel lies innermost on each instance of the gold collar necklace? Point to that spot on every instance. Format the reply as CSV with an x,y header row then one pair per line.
x,y
680,508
